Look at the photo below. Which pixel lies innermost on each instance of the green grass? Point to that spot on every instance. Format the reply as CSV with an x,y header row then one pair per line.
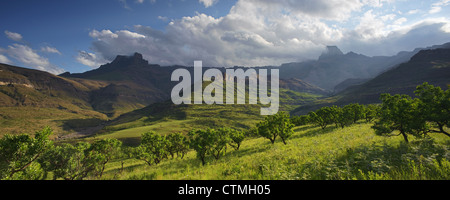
x,y
354,152
182,119
18,120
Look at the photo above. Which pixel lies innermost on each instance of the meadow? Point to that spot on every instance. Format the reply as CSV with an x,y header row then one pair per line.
x,y
312,153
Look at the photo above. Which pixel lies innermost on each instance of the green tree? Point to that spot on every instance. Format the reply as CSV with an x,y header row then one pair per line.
x,y
343,117
300,120
355,111
236,138
152,149
323,116
201,141
400,113
18,152
105,150
220,139
434,105
276,125
70,162
371,112
177,144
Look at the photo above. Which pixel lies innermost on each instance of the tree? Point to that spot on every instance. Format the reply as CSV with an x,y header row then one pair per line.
x,y
106,150
236,138
201,141
343,117
276,125
152,149
300,120
177,144
18,152
434,105
323,117
70,162
371,112
219,141
355,111
399,112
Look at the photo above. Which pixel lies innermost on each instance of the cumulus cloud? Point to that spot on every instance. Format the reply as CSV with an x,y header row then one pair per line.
x,y
265,32
50,50
5,60
437,7
89,59
208,3
14,36
29,57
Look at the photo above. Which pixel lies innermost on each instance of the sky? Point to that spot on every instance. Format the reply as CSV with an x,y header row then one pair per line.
x,y
80,35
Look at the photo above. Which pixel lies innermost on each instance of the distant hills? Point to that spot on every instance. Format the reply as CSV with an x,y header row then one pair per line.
x,y
430,65
130,86
334,67
134,84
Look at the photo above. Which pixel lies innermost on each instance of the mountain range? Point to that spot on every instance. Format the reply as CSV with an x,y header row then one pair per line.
x,y
430,65
129,84
334,67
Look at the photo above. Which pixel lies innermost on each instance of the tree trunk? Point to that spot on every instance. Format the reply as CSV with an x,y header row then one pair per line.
x,y
405,136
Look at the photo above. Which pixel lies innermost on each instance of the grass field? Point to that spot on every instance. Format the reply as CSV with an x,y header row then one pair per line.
x,y
354,152
27,119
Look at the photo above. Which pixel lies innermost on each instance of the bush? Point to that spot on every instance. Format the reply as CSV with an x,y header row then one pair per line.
x,y
19,152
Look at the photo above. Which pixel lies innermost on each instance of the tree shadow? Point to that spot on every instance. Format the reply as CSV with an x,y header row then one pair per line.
x,y
314,131
80,124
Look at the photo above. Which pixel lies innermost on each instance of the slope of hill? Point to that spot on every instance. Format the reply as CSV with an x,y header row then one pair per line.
x,y
132,84
166,117
351,153
31,99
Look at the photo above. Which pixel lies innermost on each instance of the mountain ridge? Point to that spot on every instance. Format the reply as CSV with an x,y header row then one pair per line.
x,y
429,65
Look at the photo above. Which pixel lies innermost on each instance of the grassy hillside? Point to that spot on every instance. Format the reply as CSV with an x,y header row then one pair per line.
x,y
354,152
18,120
165,117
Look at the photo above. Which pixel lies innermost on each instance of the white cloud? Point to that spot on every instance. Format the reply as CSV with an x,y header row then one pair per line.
x,y
208,3
5,60
29,57
162,18
89,59
14,36
50,50
412,12
265,32
437,7
400,21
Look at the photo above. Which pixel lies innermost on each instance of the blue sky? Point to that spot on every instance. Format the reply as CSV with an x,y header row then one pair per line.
x,y
77,36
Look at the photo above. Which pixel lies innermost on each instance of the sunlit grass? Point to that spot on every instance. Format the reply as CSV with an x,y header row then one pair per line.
x,y
354,152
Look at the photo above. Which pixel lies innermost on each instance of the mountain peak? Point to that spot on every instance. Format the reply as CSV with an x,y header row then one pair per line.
x,y
136,58
331,51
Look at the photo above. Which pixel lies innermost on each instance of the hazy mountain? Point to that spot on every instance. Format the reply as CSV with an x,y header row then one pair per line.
x,y
333,67
432,66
